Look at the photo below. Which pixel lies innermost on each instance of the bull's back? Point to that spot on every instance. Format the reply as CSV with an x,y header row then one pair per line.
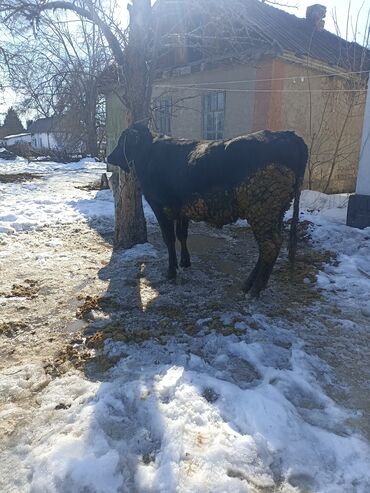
x,y
227,164
259,150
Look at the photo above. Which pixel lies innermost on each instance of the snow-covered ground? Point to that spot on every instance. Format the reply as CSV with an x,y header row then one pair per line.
x,y
231,397
51,197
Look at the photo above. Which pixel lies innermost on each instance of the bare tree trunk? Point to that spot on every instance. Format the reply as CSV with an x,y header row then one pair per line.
x,y
130,225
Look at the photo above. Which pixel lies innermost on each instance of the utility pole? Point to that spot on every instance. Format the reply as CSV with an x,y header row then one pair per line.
x,y
358,214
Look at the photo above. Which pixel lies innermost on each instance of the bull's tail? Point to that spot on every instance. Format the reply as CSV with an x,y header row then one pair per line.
x,y
295,220
302,163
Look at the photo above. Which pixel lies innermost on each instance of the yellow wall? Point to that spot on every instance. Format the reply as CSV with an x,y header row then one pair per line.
x,y
330,120
187,121
116,120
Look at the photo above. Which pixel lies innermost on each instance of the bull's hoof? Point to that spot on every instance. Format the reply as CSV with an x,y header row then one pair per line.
x,y
252,289
255,292
171,274
247,286
185,263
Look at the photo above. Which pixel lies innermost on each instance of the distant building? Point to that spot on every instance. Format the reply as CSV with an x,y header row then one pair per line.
x,y
2,136
48,133
10,140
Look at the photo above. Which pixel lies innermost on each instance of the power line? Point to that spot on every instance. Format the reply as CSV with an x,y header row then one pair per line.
x,y
221,89
302,77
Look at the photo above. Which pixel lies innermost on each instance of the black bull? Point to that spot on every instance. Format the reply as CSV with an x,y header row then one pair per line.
x,y
253,177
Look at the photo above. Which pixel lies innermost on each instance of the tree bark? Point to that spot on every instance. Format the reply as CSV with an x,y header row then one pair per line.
x,y
130,225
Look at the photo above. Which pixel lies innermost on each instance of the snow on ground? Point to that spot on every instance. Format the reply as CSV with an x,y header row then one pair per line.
x,y
351,245
52,197
241,411
181,425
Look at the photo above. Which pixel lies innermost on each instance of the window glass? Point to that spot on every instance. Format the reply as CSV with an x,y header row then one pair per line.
x,y
220,100
213,115
163,117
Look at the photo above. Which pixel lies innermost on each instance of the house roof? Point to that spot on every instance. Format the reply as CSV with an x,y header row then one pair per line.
x,y
44,125
269,30
2,132
300,37
24,134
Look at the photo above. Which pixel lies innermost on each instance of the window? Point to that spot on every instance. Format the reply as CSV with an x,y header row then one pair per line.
x,y
164,116
213,115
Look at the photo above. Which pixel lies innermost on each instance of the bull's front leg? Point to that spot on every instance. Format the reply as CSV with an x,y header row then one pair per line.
x,y
182,225
168,233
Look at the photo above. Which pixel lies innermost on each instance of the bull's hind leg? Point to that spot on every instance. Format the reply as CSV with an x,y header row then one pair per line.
x,y
252,276
182,226
264,200
269,243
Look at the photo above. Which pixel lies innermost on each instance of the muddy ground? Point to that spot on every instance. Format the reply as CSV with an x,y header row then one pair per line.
x,y
63,292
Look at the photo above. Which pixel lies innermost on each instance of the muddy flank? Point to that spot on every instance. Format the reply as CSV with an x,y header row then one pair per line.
x,y
63,293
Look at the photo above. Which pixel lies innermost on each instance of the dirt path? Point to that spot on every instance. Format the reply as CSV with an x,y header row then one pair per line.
x,y
43,272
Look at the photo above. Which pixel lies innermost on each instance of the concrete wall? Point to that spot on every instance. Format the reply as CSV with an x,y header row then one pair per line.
x,y
187,117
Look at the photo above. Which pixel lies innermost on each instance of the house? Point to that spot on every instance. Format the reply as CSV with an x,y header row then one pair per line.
x,y
50,133
23,138
2,135
47,133
232,67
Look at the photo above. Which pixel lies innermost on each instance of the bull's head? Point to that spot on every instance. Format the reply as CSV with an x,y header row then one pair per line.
x,y
131,146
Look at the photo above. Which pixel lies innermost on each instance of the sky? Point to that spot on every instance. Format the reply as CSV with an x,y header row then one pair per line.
x,y
298,8
341,7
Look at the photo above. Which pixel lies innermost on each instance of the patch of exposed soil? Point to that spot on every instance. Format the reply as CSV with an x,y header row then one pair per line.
x,y
94,185
39,288
28,290
71,354
101,184
91,304
9,329
19,177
